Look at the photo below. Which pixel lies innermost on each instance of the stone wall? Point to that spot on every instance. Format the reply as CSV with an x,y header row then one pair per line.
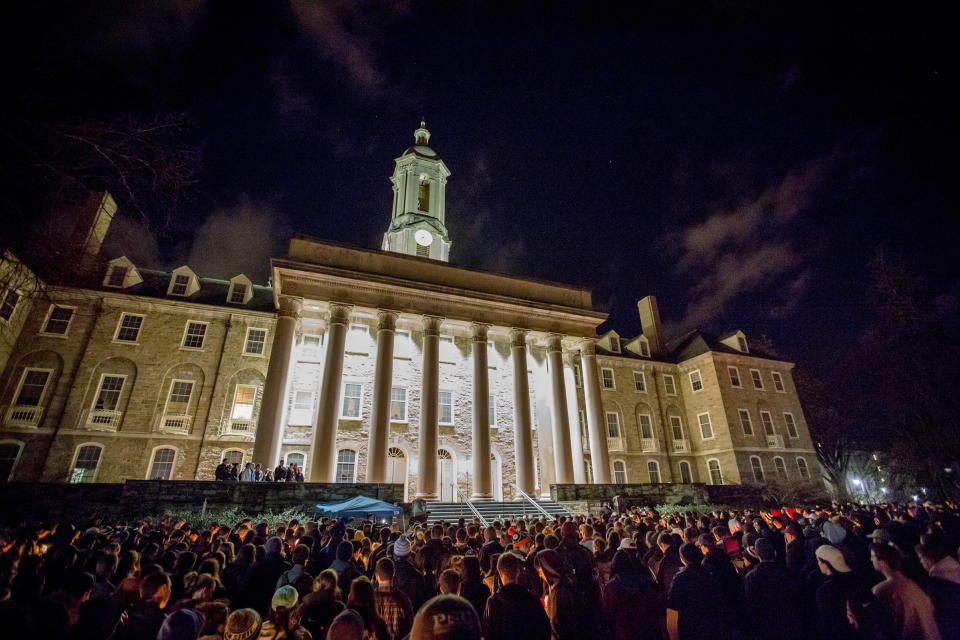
x,y
151,497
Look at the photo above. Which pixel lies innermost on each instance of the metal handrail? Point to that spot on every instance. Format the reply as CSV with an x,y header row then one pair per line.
x,y
533,502
476,513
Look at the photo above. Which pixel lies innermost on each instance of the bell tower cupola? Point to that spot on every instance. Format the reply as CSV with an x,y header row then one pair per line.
x,y
418,223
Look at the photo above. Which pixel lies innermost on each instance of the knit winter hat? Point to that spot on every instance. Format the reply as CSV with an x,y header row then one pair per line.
x,y
834,557
401,548
764,550
285,596
242,624
834,532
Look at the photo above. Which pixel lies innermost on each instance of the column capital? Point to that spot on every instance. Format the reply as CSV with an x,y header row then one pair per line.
x,y
479,331
554,342
290,306
431,325
518,337
387,320
570,358
339,313
588,347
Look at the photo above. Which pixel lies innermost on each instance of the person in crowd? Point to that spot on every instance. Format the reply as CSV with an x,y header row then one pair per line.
x,y
631,601
772,596
322,605
242,624
392,605
472,587
281,623
694,606
261,580
280,473
943,584
144,618
446,617
344,566
362,599
490,548
297,575
513,612
910,607
839,586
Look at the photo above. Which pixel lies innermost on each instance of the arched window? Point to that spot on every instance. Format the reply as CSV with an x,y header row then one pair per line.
x,y
781,468
232,455
397,467
298,458
802,468
9,454
619,472
161,468
713,466
686,477
757,467
86,463
653,469
346,465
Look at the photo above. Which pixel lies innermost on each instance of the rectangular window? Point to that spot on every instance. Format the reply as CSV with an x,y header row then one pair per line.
x,y
447,349
614,344
31,388
238,293
613,425
781,468
423,196
646,427
734,377
162,467
743,343
791,424
116,276
639,381
108,396
194,335
706,429
757,468
492,410
644,349
767,421
398,404
757,380
302,411
243,401
180,284
653,470
446,407
310,347
676,427
696,383
352,394
180,391
668,386
778,382
255,342
85,468
9,304
128,329
403,344
606,377
745,423
58,320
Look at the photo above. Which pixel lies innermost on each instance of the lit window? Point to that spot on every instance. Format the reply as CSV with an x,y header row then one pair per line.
x,y
447,349
162,467
358,339
310,347
713,466
676,427
639,381
685,476
653,470
668,386
117,275
492,410
802,468
613,425
9,453
706,429
423,196
614,344
108,396
646,427
58,320
696,383
85,466
757,467
767,421
745,423
128,329
352,393
254,344
194,335
734,377
243,400
180,284
757,380
791,425
9,304
180,392
238,293
446,407
302,411
31,387
780,467
232,455
777,381
644,349
398,404
346,465
606,376
619,472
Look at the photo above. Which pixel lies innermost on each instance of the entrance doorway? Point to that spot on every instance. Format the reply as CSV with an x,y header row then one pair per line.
x,y
447,477
397,468
497,478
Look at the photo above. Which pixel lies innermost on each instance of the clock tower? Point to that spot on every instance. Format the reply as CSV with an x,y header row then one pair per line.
x,y
418,223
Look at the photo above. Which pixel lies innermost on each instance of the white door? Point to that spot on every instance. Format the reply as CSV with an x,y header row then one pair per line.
x,y
447,477
397,468
497,479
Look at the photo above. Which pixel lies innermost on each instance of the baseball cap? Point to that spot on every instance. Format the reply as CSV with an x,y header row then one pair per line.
x,y
834,557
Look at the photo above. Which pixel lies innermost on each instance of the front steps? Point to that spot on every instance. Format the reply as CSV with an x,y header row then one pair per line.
x,y
452,511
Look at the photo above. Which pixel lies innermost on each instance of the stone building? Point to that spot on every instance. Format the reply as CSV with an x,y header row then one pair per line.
x,y
377,366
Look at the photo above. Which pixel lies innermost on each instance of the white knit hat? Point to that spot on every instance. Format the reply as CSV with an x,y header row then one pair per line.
x,y
401,548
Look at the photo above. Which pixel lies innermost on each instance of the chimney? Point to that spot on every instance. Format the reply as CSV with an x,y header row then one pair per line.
x,y
650,323
90,230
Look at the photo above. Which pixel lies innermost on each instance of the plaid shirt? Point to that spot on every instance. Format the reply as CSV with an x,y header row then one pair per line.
x,y
394,607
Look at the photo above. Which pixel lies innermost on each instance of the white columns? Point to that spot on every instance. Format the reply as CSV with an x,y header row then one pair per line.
x,y
573,416
324,454
482,482
599,455
558,411
522,424
429,408
266,446
382,383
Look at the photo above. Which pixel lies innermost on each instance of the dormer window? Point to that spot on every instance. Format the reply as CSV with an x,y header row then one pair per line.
x,y
423,194
241,290
644,349
180,284
743,344
116,275
614,344
238,293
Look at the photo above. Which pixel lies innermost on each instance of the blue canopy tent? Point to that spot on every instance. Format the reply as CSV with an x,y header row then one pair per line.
x,y
359,507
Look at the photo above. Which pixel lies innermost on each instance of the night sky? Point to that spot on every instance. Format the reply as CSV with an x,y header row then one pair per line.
x,y
743,162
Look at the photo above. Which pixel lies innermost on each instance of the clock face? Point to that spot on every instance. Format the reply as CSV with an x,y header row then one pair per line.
x,y
423,237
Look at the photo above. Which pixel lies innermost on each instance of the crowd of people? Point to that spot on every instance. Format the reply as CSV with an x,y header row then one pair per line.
x,y
254,472
845,572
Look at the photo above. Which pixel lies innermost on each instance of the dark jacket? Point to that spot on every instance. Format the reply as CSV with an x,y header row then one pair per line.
x,y
407,578
487,551
946,606
668,567
259,584
317,612
634,609
583,565
140,621
773,600
794,556
513,613
476,593
695,596
831,598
